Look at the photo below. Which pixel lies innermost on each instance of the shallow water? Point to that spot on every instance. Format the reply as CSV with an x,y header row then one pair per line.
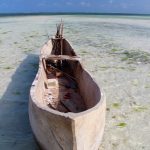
x,y
116,51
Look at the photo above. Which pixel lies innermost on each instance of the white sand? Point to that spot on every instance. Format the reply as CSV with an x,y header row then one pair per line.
x,y
126,85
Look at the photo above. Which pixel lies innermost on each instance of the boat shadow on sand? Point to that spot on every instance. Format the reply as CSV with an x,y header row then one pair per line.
x,y
15,130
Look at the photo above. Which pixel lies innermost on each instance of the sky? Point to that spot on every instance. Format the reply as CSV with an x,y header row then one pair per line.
x,y
99,6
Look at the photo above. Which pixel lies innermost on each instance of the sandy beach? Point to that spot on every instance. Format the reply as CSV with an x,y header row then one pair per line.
x,y
114,49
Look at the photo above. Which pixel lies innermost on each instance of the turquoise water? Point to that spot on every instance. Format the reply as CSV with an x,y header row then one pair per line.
x,y
114,49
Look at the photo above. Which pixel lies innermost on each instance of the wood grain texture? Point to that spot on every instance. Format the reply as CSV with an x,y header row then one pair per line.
x,y
56,130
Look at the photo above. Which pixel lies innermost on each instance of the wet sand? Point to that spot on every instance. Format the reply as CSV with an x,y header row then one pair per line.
x,y
115,50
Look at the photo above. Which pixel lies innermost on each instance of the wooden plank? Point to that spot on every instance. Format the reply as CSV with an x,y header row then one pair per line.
x,y
70,105
63,57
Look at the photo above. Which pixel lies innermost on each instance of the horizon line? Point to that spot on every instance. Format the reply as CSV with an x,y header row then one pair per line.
x,y
69,13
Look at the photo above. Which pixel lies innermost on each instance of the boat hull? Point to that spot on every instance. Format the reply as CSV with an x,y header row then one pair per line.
x,y
56,130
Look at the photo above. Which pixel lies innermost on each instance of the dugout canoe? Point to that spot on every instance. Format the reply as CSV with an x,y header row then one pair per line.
x,y
66,106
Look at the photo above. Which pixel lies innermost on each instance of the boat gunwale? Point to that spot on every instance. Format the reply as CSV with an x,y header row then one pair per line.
x,y
71,115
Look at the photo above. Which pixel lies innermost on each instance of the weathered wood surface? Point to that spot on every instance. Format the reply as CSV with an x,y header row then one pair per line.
x,y
55,130
63,57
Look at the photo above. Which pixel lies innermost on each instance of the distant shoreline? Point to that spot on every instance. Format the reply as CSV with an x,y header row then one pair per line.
x,y
69,13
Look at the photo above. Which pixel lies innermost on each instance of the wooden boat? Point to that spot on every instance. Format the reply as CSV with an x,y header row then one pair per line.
x,y
66,106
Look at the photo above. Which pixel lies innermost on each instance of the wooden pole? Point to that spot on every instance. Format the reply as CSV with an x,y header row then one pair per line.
x,y
61,40
66,74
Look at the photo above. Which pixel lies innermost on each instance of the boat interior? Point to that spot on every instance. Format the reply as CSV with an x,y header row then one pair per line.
x,y
67,86
62,92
